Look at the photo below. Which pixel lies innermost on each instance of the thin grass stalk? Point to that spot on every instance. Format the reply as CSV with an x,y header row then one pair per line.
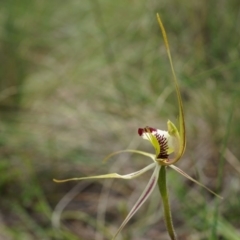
x,y
162,184
220,169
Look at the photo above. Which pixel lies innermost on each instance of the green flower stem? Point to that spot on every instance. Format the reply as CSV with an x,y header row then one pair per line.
x,y
162,184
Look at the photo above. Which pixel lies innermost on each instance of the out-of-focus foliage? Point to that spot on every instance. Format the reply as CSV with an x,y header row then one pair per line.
x,y
77,78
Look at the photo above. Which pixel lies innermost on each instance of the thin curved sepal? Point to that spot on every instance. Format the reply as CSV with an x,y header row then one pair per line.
x,y
130,151
144,196
193,180
182,131
111,175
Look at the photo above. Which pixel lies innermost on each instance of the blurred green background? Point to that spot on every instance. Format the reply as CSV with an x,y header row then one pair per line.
x,y
77,79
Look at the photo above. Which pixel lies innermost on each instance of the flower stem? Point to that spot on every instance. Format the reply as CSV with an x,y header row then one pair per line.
x,y
162,184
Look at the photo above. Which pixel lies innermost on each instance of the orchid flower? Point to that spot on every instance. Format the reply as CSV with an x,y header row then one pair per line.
x,y
169,148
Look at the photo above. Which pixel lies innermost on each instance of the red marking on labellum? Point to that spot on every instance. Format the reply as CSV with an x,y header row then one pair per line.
x,y
163,142
146,130
140,131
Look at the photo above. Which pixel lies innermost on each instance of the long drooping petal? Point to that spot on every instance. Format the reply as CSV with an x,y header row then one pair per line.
x,y
111,175
180,105
152,156
193,180
144,196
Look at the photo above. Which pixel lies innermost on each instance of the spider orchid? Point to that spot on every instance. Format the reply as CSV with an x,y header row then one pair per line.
x,y
169,148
